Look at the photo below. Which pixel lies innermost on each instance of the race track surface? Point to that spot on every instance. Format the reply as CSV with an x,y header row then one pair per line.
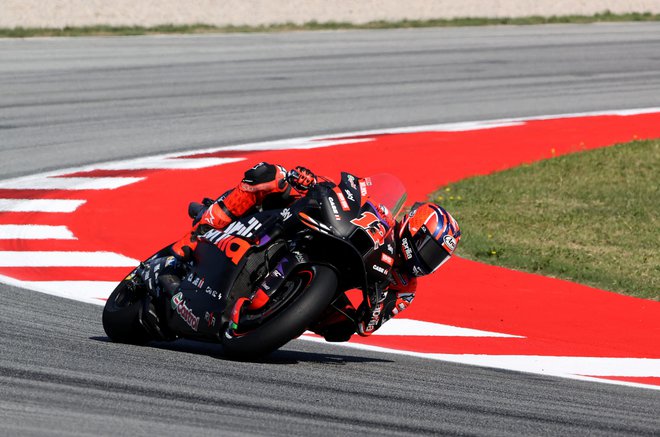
x,y
66,102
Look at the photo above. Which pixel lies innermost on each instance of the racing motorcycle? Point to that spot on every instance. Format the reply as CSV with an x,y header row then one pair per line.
x,y
268,276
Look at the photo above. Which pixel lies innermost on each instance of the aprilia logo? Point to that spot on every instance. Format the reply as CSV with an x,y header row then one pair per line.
x,y
233,247
238,228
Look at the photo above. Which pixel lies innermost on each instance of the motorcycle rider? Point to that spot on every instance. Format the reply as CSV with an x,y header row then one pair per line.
x,y
426,238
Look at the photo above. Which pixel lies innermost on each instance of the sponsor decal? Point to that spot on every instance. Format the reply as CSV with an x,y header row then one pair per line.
x,y
386,259
407,251
379,269
342,200
286,214
349,195
368,182
214,293
390,249
449,242
210,319
332,205
383,210
375,318
351,181
363,188
184,312
233,247
238,228
299,256
210,219
198,282
334,208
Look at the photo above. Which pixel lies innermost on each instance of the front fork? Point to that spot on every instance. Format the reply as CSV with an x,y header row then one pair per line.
x,y
147,314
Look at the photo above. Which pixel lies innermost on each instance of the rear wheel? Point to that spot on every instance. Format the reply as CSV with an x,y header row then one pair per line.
x,y
121,314
298,303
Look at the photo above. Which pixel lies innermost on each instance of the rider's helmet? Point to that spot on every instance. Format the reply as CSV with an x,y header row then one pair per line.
x,y
428,237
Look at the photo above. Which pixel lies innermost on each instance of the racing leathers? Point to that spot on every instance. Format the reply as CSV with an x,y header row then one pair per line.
x,y
271,186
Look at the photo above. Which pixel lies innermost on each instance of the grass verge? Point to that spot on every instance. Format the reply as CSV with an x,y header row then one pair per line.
x,y
591,217
606,16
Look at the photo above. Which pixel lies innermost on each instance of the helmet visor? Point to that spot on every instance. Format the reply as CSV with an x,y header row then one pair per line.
x,y
432,254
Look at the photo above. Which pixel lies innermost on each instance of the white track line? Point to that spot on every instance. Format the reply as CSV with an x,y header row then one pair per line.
x,y
35,232
580,368
410,327
64,259
586,366
75,183
39,205
341,138
292,144
162,163
93,292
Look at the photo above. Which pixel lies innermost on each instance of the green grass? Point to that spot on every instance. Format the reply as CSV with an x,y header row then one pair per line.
x,y
591,217
606,16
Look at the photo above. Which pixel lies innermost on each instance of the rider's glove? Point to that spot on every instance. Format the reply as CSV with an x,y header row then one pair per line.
x,y
301,178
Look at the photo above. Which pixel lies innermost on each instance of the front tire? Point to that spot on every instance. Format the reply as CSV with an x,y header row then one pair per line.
x,y
309,302
121,314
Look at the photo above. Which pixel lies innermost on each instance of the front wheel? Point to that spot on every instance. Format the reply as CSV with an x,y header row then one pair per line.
x,y
298,303
121,314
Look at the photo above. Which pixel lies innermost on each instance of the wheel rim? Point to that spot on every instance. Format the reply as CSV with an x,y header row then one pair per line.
x,y
285,294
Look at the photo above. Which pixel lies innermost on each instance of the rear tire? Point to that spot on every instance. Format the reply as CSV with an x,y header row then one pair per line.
x,y
307,306
121,315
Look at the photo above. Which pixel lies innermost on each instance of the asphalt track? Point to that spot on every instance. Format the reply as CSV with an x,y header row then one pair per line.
x,y
66,102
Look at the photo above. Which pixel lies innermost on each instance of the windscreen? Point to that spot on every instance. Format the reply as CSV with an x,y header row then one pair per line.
x,y
388,190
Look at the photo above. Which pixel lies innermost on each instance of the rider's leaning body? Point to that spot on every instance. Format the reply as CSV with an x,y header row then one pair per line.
x,y
425,238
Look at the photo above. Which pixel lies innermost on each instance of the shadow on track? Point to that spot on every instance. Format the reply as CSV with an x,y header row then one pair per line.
x,y
280,356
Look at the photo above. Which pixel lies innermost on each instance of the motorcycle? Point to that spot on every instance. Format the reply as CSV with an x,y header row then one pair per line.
x,y
268,276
